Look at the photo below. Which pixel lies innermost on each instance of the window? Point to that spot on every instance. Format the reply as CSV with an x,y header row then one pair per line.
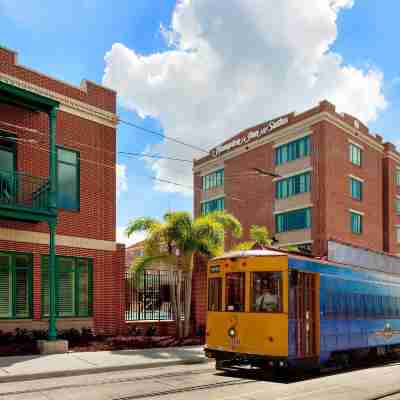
x,y
356,189
398,177
267,292
68,179
213,205
299,148
215,294
15,285
213,180
293,220
234,291
356,223
398,206
293,185
74,287
398,234
355,154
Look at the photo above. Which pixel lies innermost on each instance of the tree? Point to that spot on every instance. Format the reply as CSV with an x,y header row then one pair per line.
x,y
175,241
259,238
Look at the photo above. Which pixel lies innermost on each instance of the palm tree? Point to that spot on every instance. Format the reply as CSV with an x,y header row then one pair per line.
x,y
259,238
175,241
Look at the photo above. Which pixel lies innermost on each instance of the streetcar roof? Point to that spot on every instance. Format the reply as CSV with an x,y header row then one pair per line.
x,y
250,253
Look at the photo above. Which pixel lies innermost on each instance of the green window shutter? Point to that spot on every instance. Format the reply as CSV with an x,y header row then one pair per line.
x,y
68,179
45,286
66,287
5,286
84,289
23,285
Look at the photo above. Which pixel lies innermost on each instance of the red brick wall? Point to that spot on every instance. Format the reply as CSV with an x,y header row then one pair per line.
x,y
338,199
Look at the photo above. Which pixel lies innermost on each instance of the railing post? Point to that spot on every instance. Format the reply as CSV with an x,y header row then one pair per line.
x,y
53,223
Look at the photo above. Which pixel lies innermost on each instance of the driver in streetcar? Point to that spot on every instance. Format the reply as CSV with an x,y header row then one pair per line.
x,y
266,301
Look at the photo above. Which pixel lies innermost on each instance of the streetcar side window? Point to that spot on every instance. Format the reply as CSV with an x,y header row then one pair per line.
x,y
234,291
215,294
267,292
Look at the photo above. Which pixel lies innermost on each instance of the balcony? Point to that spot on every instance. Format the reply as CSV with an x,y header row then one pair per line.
x,y
24,197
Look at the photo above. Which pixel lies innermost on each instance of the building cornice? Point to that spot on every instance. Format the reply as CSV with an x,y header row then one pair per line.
x,y
393,156
294,131
67,104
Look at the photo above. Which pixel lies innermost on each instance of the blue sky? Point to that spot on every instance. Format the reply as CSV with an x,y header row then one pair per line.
x,y
69,41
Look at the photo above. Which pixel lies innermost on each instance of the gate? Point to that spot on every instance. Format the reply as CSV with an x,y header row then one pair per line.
x,y
148,295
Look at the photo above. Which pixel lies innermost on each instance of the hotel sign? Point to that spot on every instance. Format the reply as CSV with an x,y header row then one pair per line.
x,y
256,133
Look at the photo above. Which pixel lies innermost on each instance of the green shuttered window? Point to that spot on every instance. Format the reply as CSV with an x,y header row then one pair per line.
x,y
74,287
213,205
356,221
293,185
299,148
15,285
68,177
213,180
356,189
355,154
398,177
293,220
398,206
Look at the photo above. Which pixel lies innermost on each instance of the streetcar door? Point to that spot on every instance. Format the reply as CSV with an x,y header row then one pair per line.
x,y
304,310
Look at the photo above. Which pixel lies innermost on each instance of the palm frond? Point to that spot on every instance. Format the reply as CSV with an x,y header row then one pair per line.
x,y
260,235
141,224
244,246
141,263
228,221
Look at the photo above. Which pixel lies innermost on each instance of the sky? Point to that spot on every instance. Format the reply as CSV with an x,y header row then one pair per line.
x,y
202,70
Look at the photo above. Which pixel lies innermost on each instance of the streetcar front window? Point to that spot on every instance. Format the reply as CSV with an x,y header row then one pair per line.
x,y
267,292
215,294
234,293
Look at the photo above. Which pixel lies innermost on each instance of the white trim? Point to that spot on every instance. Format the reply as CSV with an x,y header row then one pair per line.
x,y
213,198
67,104
356,212
356,178
309,205
22,236
292,139
360,146
303,171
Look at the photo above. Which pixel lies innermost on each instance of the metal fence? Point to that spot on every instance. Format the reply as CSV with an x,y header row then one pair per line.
x,y
148,295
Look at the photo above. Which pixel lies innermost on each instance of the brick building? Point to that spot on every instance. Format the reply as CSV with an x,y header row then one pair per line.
x,y
334,179
71,194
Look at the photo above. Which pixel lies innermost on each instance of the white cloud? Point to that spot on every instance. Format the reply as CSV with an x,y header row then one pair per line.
x,y
233,64
122,179
128,241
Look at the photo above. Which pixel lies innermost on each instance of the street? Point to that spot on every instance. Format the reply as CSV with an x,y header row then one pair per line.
x,y
203,382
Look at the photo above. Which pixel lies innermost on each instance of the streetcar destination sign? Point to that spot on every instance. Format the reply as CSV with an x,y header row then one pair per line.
x,y
256,133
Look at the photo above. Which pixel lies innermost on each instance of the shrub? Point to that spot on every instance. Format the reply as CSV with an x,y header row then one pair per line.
x,y
151,331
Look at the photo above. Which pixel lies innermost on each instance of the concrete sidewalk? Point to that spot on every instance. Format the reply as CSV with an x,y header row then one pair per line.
x,y
13,369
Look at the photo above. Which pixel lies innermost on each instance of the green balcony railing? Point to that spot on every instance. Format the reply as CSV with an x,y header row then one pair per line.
x,y
20,190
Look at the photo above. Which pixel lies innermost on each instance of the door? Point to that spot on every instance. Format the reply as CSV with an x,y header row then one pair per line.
x,y
304,306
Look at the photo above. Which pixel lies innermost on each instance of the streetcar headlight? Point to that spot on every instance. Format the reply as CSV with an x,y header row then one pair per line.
x,y
232,332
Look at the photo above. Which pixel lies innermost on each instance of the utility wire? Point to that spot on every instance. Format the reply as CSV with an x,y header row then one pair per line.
x,y
125,153
163,136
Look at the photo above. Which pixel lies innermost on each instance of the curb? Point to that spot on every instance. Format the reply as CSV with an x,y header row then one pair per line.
x,y
97,370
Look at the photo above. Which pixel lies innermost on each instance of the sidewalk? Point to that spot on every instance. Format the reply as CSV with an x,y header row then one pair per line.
x,y
13,369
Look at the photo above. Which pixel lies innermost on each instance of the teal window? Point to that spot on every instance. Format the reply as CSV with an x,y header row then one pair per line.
x,y
299,148
15,285
293,220
398,206
356,223
68,176
398,177
355,154
213,180
293,185
356,189
213,205
74,287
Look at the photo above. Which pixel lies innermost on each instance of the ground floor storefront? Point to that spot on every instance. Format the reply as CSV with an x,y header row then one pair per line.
x,y
89,287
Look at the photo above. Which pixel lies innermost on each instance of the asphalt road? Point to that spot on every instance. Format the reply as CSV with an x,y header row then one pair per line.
x,y
202,382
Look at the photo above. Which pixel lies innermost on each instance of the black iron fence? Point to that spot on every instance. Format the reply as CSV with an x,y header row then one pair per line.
x,y
148,295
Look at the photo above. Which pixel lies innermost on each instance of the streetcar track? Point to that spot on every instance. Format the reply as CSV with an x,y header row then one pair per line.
x,y
109,381
184,390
